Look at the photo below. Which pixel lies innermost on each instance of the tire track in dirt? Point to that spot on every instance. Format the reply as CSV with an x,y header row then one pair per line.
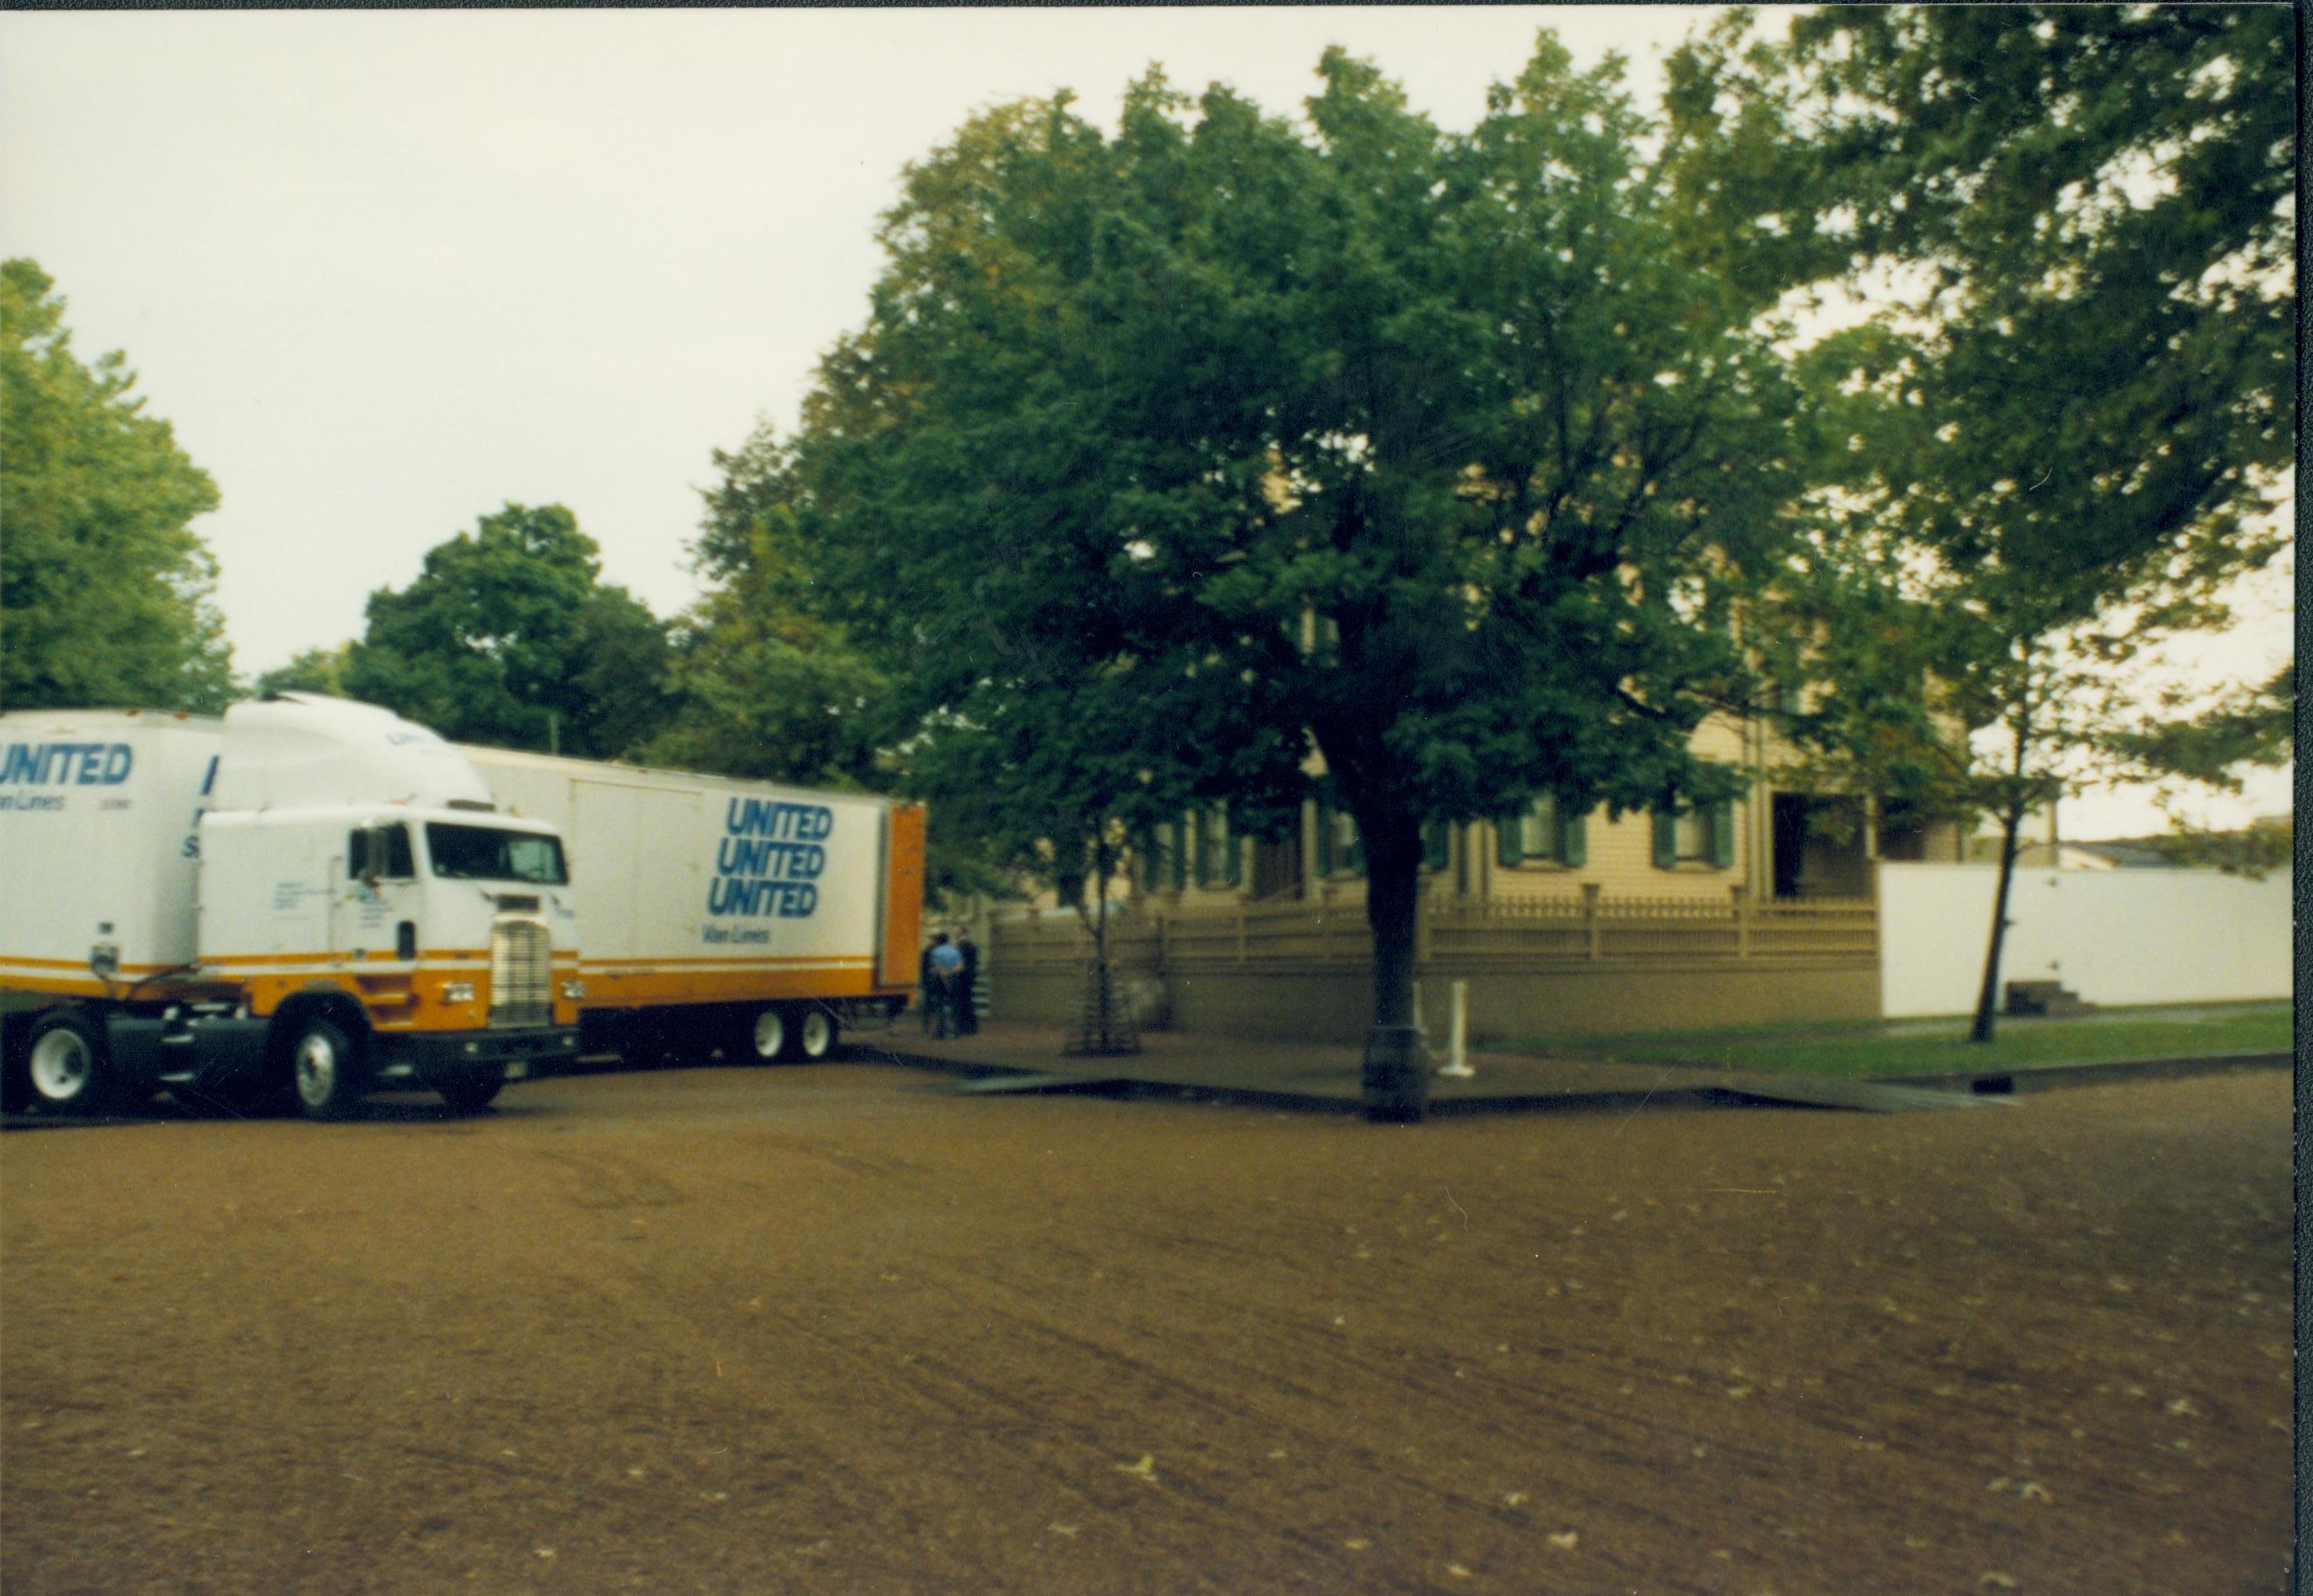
x,y
958,1405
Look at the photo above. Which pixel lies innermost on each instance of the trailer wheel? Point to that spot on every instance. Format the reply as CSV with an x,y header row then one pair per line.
x,y
764,1036
818,1034
326,1070
65,1065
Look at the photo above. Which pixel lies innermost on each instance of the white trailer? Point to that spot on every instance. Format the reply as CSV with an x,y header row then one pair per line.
x,y
306,899
718,912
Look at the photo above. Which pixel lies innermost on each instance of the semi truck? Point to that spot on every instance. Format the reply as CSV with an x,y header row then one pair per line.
x,y
300,901
719,912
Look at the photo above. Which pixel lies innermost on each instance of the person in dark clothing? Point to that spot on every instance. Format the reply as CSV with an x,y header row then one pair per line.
x,y
947,964
967,990
934,990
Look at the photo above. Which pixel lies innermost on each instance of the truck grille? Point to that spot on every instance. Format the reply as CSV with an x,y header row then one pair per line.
x,y
521,972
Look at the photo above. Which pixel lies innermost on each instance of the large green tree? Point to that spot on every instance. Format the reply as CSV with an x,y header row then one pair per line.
x,y
2073,402
1436,452
104,586
509,636
769,686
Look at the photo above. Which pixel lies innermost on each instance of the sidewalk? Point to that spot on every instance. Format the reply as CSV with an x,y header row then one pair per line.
x,y
1309,1075
1011,1056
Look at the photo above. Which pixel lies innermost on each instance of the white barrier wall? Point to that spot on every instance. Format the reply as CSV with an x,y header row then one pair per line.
x,y
2117,937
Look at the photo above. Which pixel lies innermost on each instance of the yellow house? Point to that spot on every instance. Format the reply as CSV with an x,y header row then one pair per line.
x,y
1754,911
1773,845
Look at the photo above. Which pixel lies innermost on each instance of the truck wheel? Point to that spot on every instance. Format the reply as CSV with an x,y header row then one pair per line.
x,y
470,1094
764,1037
326,1070
65,1063
818,1034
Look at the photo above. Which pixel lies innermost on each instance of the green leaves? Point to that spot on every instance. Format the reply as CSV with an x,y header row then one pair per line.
x,y
104,589
1164,457
507,637
2059,435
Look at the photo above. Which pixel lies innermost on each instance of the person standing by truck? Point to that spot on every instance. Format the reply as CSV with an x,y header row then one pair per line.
x,y
934,992
947,964
967,985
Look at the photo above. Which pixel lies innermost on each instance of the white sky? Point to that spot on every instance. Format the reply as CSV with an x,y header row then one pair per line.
x,y
387,271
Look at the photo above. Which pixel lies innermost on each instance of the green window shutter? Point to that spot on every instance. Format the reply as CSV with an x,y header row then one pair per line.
x,y
1576,849
1193,828
1666,839
1436,844
1356,862
1178,852
1510,839
1232,850
1722,835
1325,840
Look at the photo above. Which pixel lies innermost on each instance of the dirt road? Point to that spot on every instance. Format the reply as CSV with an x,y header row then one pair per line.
x,y
829,1330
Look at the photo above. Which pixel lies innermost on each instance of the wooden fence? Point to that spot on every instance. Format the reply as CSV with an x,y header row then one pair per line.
x,y
1518,933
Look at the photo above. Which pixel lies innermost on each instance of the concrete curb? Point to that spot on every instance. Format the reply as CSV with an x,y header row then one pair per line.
x,y
2055,1077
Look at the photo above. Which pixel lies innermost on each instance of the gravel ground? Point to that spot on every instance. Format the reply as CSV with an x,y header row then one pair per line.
x,y
828,1330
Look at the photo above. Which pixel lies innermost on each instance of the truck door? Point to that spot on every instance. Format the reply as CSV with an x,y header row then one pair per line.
x,y
376,898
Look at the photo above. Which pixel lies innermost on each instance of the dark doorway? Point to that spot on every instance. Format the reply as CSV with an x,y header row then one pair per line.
x,y
1277,867
1790,824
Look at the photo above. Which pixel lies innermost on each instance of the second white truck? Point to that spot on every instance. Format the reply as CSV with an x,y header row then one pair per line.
x,y
714,912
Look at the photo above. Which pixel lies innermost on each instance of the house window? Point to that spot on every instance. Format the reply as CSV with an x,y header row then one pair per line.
x,y
1541,834
1437,845
1162,861
1695,837
1217,849
1339,850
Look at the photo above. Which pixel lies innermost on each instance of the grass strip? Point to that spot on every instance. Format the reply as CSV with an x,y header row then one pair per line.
x,y
1913,1049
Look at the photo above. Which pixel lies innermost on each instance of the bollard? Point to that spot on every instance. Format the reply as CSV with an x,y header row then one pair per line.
x,y
1458,1035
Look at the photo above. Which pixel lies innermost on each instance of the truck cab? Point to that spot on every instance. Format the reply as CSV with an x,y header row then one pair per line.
x,y
347,911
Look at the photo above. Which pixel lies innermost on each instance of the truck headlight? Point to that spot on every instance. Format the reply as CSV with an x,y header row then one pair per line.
x,y
457,992
574,990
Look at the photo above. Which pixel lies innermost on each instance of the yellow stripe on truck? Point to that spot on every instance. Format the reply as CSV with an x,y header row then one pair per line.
x,y
637,988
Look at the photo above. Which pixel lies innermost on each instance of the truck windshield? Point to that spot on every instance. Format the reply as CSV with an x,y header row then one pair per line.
x,y
484,853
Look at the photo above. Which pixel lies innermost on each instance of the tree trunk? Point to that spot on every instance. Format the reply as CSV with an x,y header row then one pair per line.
x,y
1396,1079
1104,979
2011,821
1987,996
1100,870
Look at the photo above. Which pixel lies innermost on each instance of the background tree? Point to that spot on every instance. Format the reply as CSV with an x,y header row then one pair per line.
x,y
104,587
1434,451
319,669
2075,224
769,686
508,638
2212,742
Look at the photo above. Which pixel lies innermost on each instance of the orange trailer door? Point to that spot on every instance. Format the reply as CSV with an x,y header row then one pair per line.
x,y
903,896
